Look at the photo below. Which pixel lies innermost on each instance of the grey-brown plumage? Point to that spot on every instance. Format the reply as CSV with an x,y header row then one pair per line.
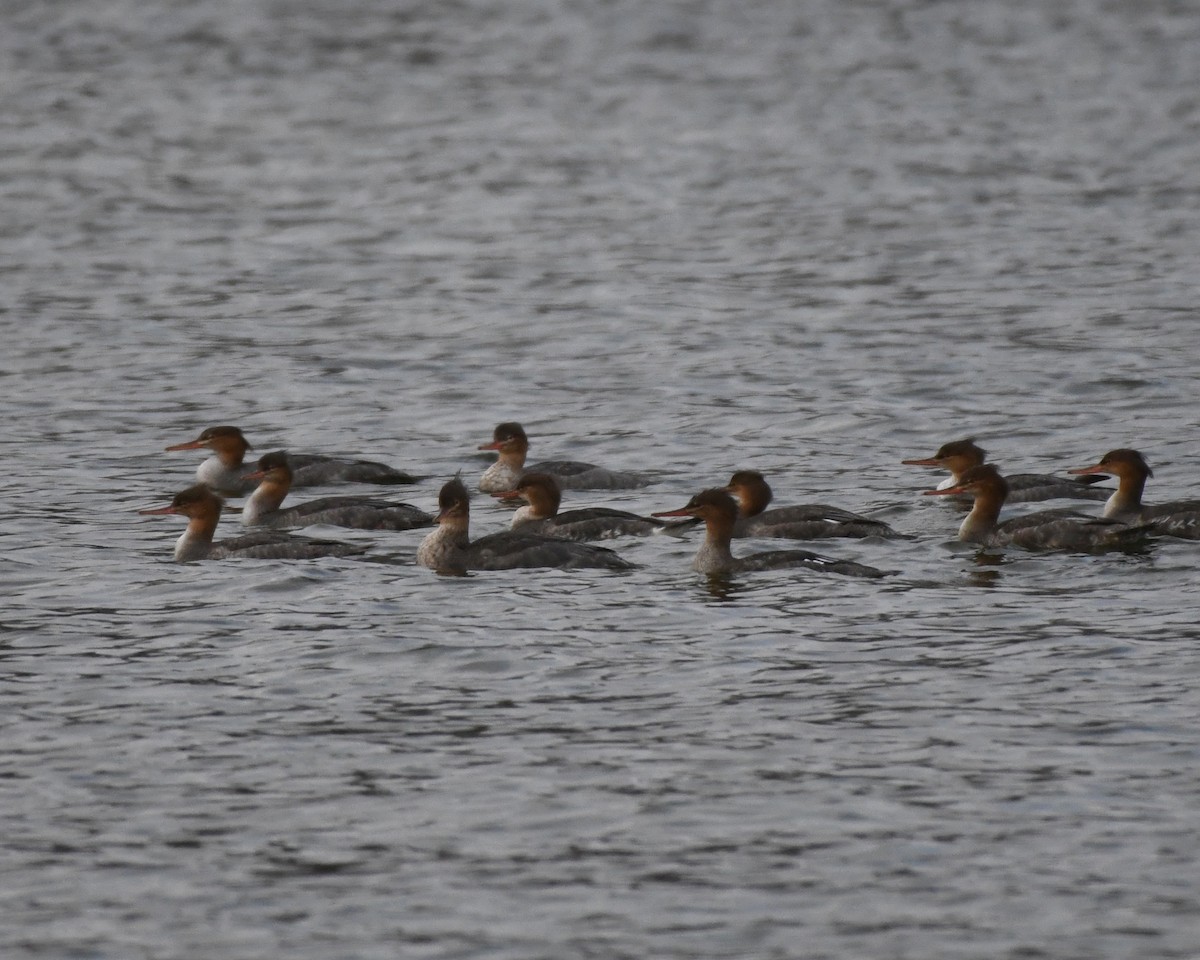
x,y
719,512
960,456
449,549
1045,530
1175,518
542,515
275,478
202,507
225,470
512,444
814,521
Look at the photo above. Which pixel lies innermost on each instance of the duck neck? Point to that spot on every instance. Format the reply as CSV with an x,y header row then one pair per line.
x,y
444,549
231,454
714,554
501,475
1127,498
525,515
543,504
982,520
196,542
265,500
514,456
217,476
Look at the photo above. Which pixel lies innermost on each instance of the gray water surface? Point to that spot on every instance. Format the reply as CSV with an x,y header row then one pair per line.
x,y
809,238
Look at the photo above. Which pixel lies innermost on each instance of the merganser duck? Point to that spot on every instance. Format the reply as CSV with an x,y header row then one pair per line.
x,y
224,470
202,507
1045,530
274,474
815,521
448,549
1177,518
510,441
961,455
719,512
541,493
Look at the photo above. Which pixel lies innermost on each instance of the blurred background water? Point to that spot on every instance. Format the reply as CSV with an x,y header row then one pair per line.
x,y
808,238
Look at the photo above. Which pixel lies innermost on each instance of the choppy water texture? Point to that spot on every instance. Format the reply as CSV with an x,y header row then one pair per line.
x,y
809,238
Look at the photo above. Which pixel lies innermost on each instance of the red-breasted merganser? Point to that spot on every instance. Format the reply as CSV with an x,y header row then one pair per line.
x,y
225,469
541,493
961,455
1177,518
815,521
202,507
510,441
449,549
1045,530
719,512
274,474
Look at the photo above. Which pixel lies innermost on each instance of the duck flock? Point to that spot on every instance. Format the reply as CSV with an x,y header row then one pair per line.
x,y
543,535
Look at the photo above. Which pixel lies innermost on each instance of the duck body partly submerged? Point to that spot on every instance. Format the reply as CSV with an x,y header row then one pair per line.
x,y
224,472
541,514
275,478
719,512
1175,518
510,441
591,523
202,508
1062,529
814,521
959,456
449,548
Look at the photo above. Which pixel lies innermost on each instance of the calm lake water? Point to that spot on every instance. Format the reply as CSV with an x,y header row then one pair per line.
x,y
808,238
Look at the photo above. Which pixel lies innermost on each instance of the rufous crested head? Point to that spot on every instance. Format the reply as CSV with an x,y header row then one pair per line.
x,y
958,455
751,490
983,479
713,504
196,500
215,438
272,466
508,436
1118,463
540,490
454,503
